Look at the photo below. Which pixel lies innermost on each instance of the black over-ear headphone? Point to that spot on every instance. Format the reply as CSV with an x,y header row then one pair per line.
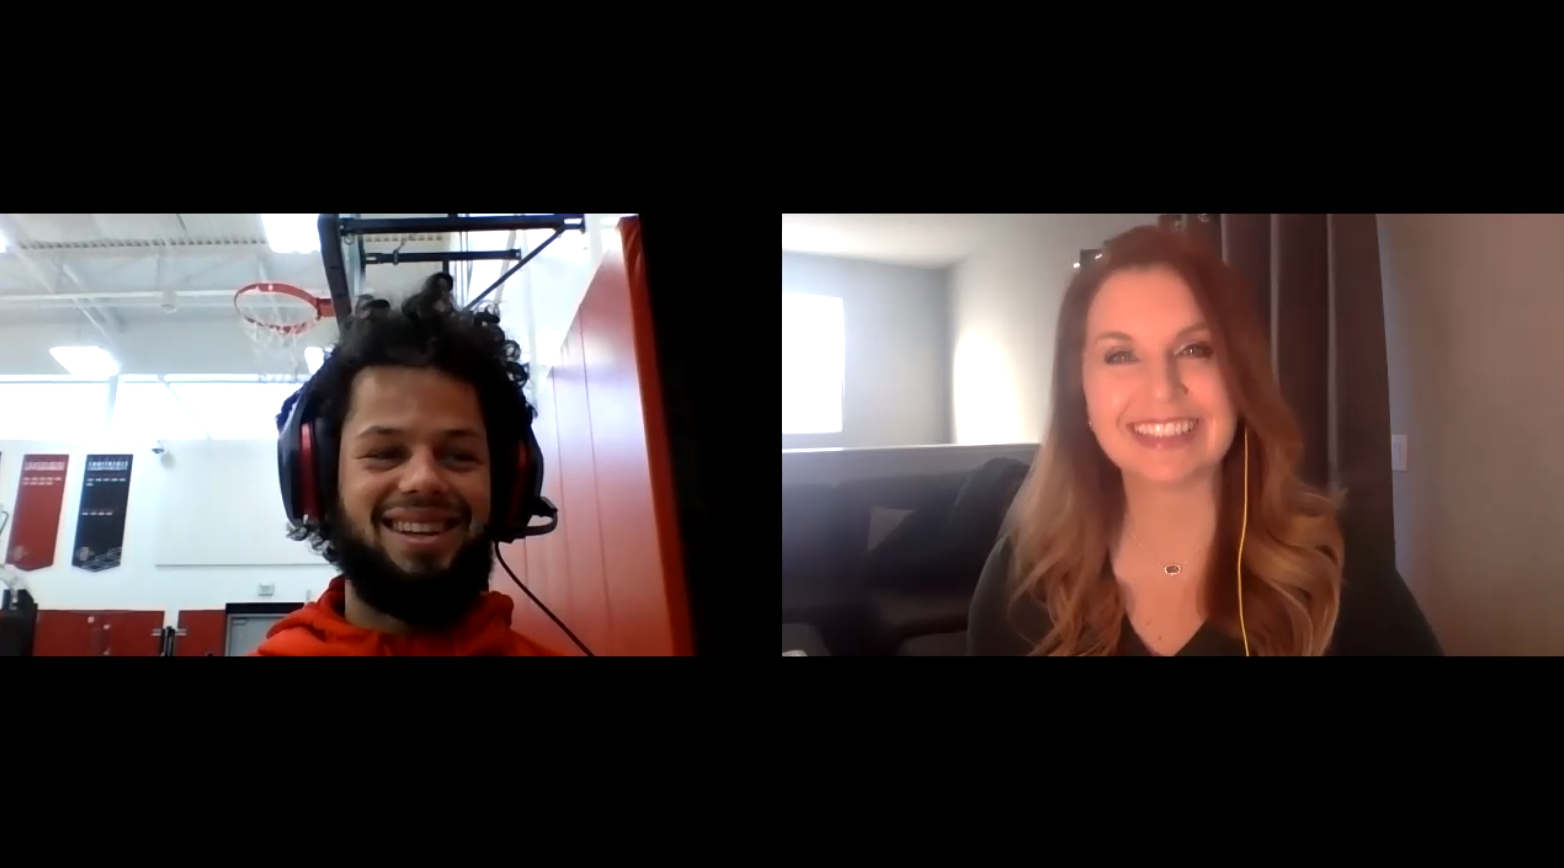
x,y
307,471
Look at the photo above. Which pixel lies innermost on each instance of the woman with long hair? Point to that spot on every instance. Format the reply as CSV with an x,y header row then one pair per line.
x,y
1128,535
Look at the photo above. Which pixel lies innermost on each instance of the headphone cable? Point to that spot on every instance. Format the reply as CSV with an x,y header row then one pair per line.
x,y
1243,532
533,597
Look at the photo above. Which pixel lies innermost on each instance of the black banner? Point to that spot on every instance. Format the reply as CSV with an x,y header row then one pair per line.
x,y
100,519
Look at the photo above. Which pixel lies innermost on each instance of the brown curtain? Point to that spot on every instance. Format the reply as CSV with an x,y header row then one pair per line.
x,y
1316,279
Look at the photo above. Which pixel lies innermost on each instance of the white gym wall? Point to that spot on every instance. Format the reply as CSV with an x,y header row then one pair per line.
x,y
203,528
204,524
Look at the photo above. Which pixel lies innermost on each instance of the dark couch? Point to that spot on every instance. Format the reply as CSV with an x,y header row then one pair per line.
x,y
872,565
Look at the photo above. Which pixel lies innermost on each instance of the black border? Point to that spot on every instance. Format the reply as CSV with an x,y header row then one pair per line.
x,y
716,467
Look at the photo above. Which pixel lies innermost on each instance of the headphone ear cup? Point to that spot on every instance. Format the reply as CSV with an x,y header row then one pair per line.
x,y
525,488
308,456
524,500
306,465
293,465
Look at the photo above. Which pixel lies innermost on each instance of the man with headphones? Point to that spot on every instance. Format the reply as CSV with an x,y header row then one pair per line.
x,y
402,461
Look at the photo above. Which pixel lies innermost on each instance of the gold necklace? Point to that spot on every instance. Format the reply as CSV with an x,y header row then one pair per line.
x,y
1171,569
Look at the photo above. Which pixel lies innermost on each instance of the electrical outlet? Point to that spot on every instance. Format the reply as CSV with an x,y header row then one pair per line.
x,y
265,590
1398,453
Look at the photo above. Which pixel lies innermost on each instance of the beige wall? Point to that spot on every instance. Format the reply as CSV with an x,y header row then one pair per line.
x,y
1004,302
1474,308
897,390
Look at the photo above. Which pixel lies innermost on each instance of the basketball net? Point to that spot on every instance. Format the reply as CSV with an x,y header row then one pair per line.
x,y
279,358
276,317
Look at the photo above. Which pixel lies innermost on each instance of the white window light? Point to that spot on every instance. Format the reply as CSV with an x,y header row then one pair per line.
x,y
314,357
813,363
292,233
53,411
234,411
147,410
88,362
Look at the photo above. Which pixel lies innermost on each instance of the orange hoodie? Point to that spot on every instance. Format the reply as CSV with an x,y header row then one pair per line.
x,y
319,630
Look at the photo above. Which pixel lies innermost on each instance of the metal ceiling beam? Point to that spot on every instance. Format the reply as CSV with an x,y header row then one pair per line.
x,y
113,318
80,306
148,251
17,239
109,297
136,251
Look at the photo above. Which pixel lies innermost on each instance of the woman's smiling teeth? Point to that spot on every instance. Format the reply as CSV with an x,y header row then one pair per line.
x,y
1173,428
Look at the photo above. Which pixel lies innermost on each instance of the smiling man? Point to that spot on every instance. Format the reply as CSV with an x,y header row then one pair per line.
x,y
409,433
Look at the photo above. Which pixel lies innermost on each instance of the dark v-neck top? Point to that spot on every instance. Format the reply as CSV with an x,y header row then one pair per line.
x,y
1379,616
1208,641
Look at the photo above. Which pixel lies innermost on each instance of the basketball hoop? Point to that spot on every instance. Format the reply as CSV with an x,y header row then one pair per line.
x,y
276,316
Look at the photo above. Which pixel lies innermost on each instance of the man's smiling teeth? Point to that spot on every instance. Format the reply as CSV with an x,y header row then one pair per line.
x,y
417,526
1164,429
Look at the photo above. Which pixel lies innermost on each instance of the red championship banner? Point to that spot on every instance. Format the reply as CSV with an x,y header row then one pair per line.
x,y
35,522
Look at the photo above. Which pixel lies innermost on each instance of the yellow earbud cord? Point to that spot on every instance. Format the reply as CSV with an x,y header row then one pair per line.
x,y
1243,530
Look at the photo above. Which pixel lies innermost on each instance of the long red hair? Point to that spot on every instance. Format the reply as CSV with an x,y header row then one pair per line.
x,y
1071,508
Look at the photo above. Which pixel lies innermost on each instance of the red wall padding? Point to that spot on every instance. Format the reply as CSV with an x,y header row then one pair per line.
x,y
613,569
64,633
205,630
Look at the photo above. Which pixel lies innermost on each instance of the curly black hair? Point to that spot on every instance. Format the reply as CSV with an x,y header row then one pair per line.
x,y
428,330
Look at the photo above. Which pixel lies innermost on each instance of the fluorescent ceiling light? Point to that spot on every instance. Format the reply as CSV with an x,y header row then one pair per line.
x,y
91,362
292,233
314,357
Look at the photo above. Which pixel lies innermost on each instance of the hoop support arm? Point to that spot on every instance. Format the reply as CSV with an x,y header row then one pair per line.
x,y
343,255
515,268
441,256
352,225
343,258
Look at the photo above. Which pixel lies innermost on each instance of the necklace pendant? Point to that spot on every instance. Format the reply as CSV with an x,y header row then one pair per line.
x,y
1172,569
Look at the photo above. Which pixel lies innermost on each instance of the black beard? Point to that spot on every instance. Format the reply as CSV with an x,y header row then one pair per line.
x,y
427,599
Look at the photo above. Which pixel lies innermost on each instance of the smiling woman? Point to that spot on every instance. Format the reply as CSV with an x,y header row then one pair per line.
x,y
1165,515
